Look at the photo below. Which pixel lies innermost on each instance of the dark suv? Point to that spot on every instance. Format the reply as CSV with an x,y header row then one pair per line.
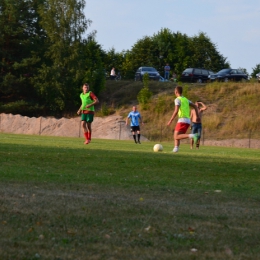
x,y
152,72
195,75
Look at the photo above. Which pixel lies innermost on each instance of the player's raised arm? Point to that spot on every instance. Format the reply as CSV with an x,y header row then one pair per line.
x,y
203,106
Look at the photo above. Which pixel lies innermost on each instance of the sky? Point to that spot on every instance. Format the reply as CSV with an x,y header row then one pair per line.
x,y
232,25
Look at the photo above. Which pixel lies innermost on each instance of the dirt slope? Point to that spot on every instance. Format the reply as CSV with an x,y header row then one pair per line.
x,y
111,127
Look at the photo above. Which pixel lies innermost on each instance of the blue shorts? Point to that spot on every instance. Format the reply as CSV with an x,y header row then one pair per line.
x,y
196,128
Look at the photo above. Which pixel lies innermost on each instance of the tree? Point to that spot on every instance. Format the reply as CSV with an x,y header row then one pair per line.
x,y
205,55
256,70
20,43
62,69
114,59
164,47
177,49
95,72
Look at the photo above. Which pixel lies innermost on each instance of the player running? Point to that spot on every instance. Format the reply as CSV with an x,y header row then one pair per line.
x,y
182,109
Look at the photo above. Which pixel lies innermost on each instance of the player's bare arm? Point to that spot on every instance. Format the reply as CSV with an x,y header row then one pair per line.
x,y
79,111
203,106
175,113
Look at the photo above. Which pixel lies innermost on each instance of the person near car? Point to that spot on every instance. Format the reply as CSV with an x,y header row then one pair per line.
x,y
88,101
135,118
174,77
167,69
182,109
196,125
113,74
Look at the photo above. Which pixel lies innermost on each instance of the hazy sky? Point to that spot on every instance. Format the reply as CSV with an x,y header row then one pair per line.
x,y
233,25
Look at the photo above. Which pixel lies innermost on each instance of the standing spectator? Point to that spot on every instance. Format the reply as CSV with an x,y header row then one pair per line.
x,y
167,69
88,100
113,74
182,109
196,125
135,117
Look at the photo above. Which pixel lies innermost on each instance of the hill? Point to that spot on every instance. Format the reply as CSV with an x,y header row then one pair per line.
x,y
233,108
232,117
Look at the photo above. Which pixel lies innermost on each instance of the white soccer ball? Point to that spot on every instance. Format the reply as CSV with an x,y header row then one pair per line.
x,y
158,148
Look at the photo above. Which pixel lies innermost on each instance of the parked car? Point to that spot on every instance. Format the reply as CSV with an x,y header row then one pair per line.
x,y
195,75
229,75
258,76
152,72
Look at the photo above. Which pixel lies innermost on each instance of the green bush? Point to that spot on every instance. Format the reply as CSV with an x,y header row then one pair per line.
x,y
144,96
21,107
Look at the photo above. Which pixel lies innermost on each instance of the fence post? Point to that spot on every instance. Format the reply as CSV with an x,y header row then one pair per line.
x,y
40,130
249,139
120,123
203,136
79,127
161,134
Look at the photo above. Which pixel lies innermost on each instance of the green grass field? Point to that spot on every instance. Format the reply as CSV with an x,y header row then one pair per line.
x,y
60,199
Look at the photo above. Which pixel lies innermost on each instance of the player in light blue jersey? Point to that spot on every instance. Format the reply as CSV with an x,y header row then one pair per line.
x,y
135,118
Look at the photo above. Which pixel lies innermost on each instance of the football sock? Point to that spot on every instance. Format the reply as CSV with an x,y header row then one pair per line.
x,y
86,135
134,137
89,135
138,137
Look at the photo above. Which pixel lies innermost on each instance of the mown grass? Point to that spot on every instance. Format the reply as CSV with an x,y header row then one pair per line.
x,y
112,199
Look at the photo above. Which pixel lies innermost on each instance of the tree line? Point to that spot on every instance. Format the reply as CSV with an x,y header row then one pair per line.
x,y
47,53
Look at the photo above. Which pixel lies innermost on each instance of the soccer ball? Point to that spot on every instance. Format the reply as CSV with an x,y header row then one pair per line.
x,y
158,148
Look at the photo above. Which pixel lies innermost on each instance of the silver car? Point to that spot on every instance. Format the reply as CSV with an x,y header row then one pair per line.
x,y
152,72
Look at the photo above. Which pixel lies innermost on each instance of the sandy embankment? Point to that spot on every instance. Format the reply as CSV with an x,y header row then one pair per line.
x,y
110,127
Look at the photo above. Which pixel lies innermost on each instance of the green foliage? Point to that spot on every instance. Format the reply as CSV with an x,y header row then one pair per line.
x,y
42,52
160,105
62,71
144,96
94,75
205,54
21,107
256,70
105,110
177,49
185,91
116,60
46,55
20,37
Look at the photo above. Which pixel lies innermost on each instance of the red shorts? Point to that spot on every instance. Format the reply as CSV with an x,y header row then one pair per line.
x,y
182,127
